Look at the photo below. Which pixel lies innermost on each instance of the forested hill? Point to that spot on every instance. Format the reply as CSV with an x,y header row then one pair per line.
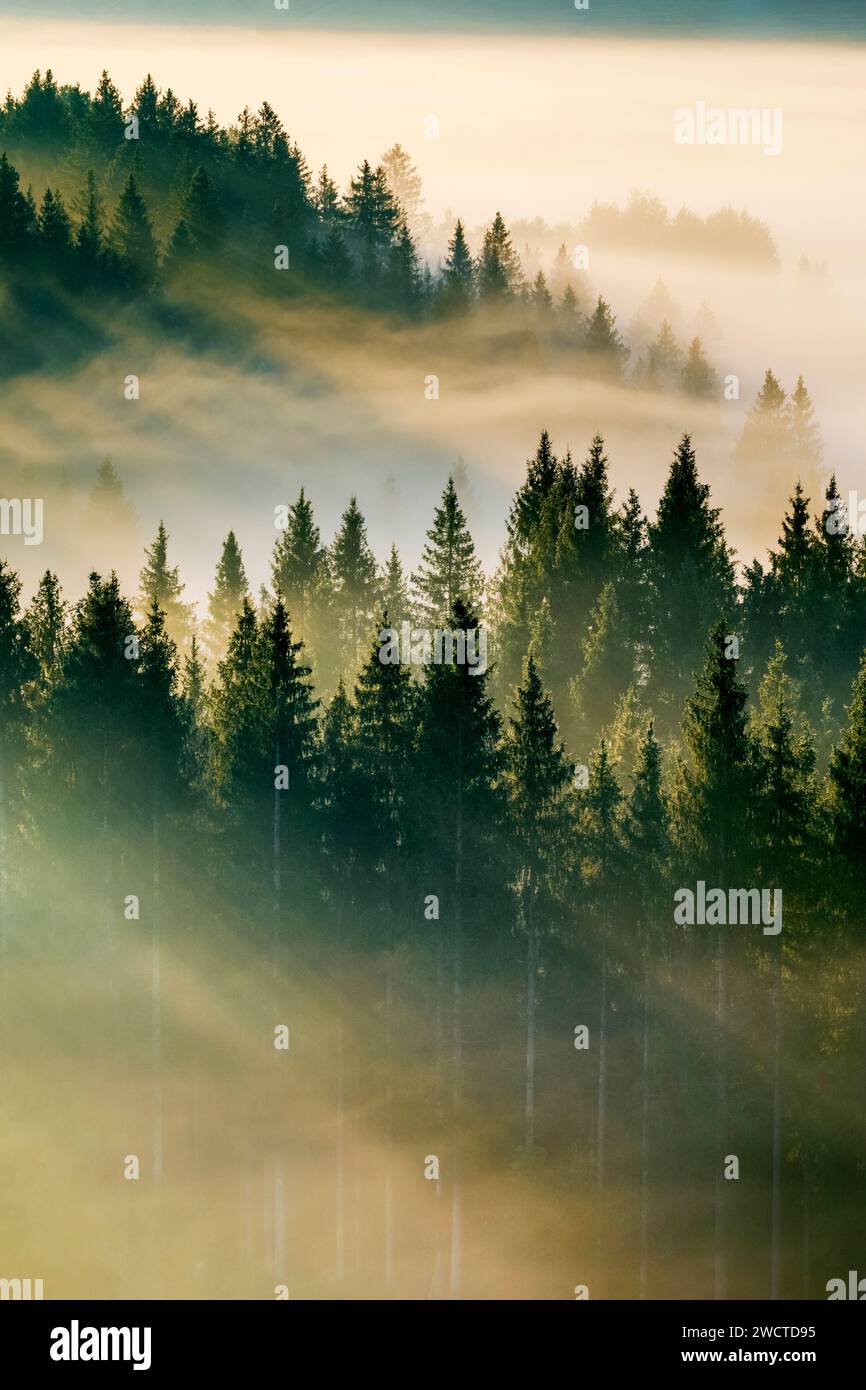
x,y
154,199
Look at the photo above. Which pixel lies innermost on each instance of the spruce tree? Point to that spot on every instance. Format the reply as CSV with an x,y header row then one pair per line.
x,y
132,237
691,575
46,620
538,779
604,343
161,582
847,788
456,291
230,589
698,378
498,272
449,566
394,590
355,585
299,564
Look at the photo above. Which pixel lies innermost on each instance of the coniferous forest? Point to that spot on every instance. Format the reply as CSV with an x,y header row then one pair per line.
x,y
525,967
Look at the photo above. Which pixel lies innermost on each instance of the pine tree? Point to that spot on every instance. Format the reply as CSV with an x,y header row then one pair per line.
x,y
355,584
847,788
105,116
46,620
18,667
132,237
601,853
784,755
498,272
542,300
456,291
607,669
202,214
459,791
299,567
403,274
603,341
718,804
647,846
403,181
698,378
159,581
765,440
16,221
327,198
54,230
538,778
394,589
570,319
88,237
692,577
449,566
805,437
230,589
664,362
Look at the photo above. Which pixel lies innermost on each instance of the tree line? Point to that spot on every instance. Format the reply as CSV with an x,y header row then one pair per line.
x,y
161,200
522,828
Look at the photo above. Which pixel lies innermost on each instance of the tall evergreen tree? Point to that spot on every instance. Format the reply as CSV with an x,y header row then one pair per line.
x,y
355,583
449,566
692,578
498,272
538,779
132,237
161,582
457,284
224,604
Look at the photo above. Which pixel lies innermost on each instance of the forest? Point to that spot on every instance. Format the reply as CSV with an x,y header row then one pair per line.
x,y
145,208
445,898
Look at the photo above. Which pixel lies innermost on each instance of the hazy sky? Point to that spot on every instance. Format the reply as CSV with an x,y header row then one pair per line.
x,y
749,17
534,126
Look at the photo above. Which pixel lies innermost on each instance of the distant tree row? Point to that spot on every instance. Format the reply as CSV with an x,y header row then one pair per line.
x,y
151,196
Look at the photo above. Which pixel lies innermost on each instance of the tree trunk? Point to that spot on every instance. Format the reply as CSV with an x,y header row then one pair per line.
x,y
531,968
601,1101
720,1270
457,1036
776,1203
644,1123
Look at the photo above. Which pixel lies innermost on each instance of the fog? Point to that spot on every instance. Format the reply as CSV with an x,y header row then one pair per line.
x,y
214,443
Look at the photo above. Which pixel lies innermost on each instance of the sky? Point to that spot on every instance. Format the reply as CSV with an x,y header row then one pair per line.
x,y
680,17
